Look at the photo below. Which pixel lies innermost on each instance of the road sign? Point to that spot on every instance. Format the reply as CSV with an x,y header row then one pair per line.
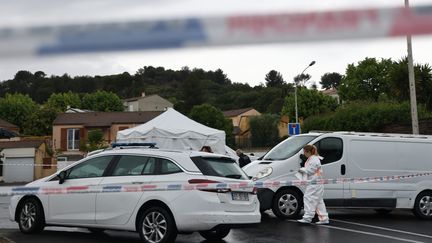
x,y
293,129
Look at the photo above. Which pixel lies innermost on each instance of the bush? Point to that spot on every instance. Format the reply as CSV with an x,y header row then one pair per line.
x,y
213,117
363,117
264,130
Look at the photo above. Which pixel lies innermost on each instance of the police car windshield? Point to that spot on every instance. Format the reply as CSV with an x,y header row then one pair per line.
x,y
288,148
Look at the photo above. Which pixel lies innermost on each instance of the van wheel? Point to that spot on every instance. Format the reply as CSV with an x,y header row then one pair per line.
x,y
423,205
287,204
156,225
31,217
215,235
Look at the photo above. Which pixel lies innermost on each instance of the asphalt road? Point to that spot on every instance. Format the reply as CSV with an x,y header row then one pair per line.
x,y
345,226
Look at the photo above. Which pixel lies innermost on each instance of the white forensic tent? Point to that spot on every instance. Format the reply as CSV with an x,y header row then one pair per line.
x,y
173,130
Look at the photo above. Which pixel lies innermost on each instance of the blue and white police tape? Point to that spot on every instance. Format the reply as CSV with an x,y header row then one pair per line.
x,y
215,31
34,165
58,189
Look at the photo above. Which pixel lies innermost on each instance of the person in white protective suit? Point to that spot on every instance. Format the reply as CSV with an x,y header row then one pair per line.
x,y
313,197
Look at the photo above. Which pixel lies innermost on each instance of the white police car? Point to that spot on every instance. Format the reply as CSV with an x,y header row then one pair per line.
x,y
158,216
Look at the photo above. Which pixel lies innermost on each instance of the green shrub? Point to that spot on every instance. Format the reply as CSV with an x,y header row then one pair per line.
x,y
363,117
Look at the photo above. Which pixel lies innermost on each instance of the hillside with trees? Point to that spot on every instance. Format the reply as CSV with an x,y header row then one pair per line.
x,y
374,92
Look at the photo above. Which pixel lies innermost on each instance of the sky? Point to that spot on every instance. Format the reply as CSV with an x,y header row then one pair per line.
x,y
245,64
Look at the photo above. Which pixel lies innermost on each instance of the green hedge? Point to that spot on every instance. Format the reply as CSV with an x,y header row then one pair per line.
x,y
363,117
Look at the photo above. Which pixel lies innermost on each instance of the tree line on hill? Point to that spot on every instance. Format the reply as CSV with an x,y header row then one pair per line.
x,y
33,100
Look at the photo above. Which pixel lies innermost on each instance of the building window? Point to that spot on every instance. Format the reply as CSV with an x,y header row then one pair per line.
x,y
73,136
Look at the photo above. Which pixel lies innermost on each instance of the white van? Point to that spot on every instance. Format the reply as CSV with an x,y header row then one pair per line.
x,y
351,155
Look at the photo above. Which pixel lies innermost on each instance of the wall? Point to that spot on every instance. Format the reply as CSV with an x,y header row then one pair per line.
x,y
40,171
154,103
131,105
283,126
243,119
116,128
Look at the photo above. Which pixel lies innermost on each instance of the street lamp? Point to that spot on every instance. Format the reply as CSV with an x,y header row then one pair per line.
x,y
295,90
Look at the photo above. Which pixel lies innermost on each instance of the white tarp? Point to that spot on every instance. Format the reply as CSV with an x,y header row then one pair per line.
x,y
173,130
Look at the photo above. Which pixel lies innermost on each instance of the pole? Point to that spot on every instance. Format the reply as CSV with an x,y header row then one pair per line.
x,y
413,97
295,90
295,98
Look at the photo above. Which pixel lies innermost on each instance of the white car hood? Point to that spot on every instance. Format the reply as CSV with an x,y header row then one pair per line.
x,y
37,182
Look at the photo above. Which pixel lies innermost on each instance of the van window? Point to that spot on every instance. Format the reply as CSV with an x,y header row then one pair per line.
x,y
331,149
288,148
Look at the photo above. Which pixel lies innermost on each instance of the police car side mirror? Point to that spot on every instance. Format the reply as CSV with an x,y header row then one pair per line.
x,y
62,177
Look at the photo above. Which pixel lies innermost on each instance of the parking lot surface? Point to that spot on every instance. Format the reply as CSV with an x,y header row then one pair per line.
x,y
345,226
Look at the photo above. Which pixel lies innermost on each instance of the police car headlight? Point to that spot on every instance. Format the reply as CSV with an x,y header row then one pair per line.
x,y
263,173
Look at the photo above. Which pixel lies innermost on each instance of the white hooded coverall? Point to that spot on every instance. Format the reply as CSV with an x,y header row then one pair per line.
x,y
313,197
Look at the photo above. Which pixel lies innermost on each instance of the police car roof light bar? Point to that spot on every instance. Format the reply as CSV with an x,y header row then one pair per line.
x,y
150,145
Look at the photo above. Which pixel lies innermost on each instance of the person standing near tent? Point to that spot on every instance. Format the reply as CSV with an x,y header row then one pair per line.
x,y
243,158
206,149
313,197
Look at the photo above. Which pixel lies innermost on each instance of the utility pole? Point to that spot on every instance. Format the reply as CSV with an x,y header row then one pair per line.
x,y
413,97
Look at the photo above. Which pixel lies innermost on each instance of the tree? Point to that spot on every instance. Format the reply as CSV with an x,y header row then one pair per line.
x,y
40,122
61,101
367,80
274,79
213,117
330,80
264,130
309,102
21,83
17,108
398,76
39,74
301,79
95,141
192,93
102,101
364,116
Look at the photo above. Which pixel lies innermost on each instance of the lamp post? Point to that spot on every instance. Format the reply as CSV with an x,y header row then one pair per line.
x,y
295,90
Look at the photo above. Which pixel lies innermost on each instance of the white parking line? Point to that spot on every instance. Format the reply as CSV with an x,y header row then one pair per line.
x,y
383,228
367,233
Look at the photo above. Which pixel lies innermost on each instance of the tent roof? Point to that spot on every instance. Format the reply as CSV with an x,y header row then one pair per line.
x,y
173,121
